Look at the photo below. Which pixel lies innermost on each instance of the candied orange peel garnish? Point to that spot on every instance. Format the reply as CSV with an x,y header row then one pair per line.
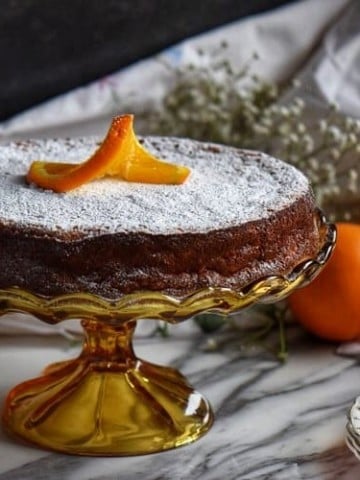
x,y
120,155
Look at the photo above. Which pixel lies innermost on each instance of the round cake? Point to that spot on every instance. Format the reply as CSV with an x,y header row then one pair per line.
x,y
240,216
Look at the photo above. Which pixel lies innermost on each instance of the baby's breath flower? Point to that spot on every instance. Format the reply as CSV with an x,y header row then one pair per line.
x,y
352,139
313,164
284,112
296,83
356,126
294,137
334,133
353,174
323,125
308,144
349,123
295,110
284,130
299,103
301,127
214,102
353,181
335,153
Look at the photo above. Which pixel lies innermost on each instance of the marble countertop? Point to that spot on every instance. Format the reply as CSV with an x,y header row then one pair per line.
x,y
273,421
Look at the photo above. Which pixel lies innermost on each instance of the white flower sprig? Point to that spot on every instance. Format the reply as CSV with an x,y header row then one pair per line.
x,y
212,102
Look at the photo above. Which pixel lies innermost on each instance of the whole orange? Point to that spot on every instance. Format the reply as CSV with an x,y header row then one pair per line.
x,y
330,306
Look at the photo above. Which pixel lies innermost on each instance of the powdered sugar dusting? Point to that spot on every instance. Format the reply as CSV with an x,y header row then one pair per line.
x,y
227,187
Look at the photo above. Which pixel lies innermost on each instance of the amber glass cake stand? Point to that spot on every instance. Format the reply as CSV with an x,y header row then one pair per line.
x,y
109,402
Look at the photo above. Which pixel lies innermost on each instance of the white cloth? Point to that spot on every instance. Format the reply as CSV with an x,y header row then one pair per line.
x,y
284,39
332,74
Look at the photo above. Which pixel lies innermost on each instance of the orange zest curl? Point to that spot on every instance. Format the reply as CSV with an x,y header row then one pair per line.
x,y
120,155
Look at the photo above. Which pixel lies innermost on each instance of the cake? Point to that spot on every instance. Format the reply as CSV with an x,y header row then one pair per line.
x,y
241,215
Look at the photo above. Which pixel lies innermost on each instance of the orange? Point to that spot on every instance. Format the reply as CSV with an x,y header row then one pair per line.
x,y
120,155
330,306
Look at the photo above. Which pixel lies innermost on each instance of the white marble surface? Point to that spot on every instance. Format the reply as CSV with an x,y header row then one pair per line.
x,y
273,421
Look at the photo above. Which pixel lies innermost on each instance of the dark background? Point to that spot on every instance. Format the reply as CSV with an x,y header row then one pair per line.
x,y
48,47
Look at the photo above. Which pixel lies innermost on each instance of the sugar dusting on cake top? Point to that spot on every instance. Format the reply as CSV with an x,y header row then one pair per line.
x,y
227,187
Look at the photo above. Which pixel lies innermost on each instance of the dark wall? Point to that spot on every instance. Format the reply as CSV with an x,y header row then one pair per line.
x,y
51,46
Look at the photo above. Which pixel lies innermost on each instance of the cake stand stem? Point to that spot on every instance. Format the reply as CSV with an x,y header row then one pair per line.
x,y
107,401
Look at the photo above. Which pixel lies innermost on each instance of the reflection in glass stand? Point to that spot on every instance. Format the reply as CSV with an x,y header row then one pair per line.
x,y
109,402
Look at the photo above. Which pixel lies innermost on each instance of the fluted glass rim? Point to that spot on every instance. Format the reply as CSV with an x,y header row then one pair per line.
x,y
159,305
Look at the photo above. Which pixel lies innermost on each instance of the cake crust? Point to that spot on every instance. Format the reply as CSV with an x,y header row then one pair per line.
x,y
109,261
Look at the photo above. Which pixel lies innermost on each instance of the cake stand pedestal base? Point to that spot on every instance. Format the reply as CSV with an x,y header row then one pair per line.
x,y
107,401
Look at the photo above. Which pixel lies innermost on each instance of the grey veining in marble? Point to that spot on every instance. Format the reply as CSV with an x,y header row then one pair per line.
x,y
273,421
